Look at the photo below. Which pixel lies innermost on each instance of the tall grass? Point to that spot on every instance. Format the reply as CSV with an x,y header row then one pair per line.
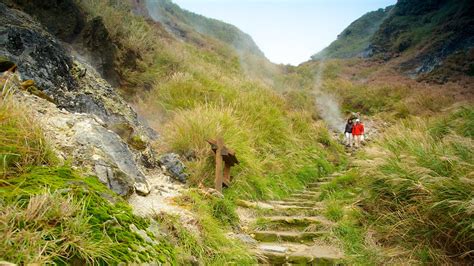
x,y
419,178
272,147
50,214
148,54
21,141
209,245
53,215
205,93
51,228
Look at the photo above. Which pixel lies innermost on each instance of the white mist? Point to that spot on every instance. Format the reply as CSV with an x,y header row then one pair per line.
x,y
327,103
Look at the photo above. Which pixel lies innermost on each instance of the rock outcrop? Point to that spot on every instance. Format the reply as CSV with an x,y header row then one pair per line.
x,y
38,55
90,38
96,40
174,166
61,18
73,85
83,140
86,120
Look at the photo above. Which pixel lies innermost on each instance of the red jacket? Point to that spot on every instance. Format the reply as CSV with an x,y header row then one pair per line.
x,y
358,129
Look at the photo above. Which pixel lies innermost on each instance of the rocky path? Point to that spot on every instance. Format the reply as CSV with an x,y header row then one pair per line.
x,y
291,231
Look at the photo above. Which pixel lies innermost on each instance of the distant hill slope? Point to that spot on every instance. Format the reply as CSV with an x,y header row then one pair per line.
x,y
433,39
356,37
428,33
179,21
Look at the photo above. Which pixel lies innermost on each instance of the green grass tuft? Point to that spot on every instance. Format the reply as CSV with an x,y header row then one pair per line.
x,y
210,244
70,215
419,184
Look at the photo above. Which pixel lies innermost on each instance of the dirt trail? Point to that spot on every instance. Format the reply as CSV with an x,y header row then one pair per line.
x,y
291,231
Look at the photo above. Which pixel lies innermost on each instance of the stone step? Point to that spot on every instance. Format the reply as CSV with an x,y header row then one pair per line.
x,y
296,220
302,196
299,254
254,204
314,188
291,207
273,207
306,194
286,236
316,184
311,211
293,202
291,223
313,192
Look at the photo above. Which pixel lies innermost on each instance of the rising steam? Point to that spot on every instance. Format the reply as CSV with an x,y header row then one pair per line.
x,y
326,103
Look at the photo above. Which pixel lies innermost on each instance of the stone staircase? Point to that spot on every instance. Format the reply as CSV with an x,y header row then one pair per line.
x,y
291,231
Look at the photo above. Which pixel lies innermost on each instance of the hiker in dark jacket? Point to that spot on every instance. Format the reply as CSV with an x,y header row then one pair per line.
x,y
348,132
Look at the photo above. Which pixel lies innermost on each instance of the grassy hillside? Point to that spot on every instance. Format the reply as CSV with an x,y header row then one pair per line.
x,y
196,92
418,179
51,213
183,23
356,38
407,198
203,94
211,34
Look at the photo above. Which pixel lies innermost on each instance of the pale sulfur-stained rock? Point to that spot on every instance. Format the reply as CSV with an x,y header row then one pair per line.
x,y
84,139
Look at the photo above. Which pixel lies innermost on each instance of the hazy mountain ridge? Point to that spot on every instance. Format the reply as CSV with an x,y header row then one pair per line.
x,y
179,21
356,37
431,39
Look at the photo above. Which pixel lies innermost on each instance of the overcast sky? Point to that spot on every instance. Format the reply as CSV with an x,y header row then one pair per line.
x,y
287,31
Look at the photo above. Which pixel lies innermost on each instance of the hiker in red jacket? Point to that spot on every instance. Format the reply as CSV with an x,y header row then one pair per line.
x,y
358,132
